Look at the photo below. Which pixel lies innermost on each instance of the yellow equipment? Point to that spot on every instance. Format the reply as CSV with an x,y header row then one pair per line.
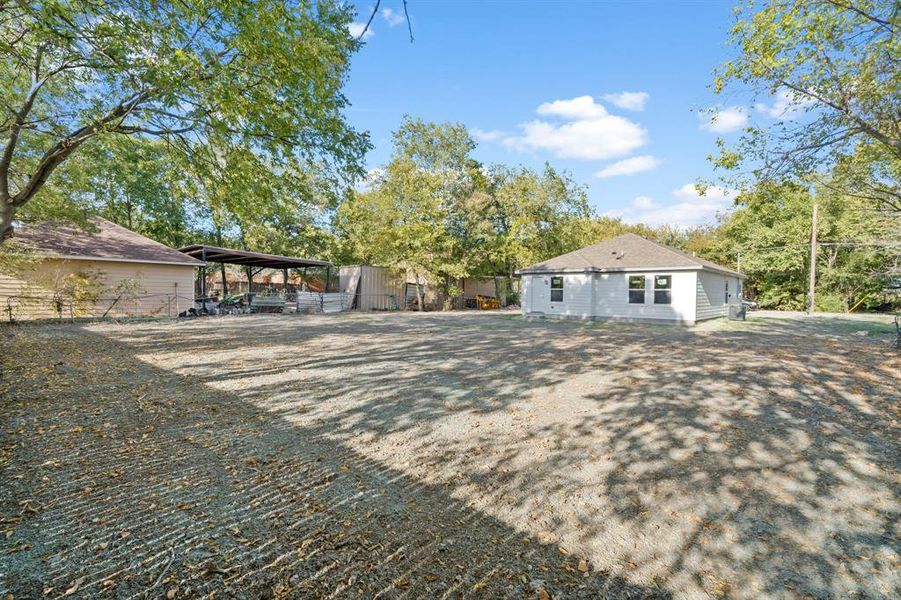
x,y
487,302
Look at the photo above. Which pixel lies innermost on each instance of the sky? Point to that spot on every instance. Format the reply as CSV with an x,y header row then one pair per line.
x,y
616,93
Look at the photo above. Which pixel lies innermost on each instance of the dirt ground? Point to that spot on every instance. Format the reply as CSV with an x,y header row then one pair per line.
x,y
450,455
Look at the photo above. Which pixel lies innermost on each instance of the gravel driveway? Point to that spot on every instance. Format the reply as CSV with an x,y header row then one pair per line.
x,y
449,455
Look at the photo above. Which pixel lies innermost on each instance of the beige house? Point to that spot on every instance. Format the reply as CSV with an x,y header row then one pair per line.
x,y
110,271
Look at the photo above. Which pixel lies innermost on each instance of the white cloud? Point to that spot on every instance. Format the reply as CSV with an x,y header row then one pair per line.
x,y
371,177
628,100
690,209
786,106
583,107
392,18
629,166
589,133
724,120
482,135
356,29
644,203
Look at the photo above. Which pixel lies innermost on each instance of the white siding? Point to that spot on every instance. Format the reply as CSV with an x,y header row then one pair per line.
x,y
525,294
711,294
612,297
606,296
578,296
165,289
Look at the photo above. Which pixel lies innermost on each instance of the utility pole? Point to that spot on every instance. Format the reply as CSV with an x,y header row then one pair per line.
x,y
813,262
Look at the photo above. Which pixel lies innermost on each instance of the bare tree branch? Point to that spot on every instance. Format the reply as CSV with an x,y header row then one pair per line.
x,y
375,10
409,25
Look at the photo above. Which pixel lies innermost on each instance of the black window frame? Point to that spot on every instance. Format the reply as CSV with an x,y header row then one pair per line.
x,y
557,290
637,295
663,295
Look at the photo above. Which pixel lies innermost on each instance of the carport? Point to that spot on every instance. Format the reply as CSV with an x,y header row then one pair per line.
x,y
256,261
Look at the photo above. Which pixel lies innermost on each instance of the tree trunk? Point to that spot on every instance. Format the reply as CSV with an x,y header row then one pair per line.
x,y
447,296
418,291
224,280
6,221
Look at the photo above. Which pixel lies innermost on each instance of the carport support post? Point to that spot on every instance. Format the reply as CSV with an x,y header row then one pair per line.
x,y
328,277
285,276
203,274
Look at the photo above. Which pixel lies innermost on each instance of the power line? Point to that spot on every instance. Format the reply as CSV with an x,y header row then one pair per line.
x,y
841,244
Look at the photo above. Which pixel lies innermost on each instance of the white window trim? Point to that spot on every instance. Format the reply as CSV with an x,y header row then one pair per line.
x,y
643,290
562,286
669,289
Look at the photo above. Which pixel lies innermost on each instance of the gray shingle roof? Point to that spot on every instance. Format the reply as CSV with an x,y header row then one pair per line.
x,y
624,252
108,242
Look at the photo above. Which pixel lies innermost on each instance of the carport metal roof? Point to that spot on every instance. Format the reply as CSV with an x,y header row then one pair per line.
x,y
250,259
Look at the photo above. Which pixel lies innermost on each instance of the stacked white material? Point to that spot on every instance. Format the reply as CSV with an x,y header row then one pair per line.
x,y
312,302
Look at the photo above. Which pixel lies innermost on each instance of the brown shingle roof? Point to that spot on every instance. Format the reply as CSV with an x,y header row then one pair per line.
x,y
108,242
624,252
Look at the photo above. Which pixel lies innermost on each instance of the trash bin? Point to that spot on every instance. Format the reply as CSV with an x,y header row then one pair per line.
x,y
737,312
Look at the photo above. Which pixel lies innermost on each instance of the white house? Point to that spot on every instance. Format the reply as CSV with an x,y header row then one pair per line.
x,y
629,278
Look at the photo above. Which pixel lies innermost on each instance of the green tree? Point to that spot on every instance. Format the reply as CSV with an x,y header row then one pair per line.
x,y
771,229
536,216
834,66
128,180
401,223
266,76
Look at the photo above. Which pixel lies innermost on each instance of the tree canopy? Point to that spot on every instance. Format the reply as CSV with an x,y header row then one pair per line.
x,y
770,228
833,67
210,78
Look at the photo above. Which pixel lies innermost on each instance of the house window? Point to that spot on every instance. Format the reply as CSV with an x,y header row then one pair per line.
x,y
636,289
663,289
726,301
556,289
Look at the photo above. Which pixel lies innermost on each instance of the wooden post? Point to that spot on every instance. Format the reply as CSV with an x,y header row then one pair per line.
x,y
811,297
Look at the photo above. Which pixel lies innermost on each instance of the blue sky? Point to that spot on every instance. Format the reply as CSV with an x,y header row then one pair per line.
x,y
544,81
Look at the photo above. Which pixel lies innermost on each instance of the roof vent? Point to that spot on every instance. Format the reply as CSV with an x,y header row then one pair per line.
x,y
619,254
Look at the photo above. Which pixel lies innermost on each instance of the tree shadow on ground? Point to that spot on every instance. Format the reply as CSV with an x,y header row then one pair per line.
x,y
121,479
758,461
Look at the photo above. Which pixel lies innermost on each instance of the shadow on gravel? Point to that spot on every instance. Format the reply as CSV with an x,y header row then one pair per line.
x,y
756,461
124,480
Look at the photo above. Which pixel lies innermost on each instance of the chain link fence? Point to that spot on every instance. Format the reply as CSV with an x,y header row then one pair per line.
x,y
30,307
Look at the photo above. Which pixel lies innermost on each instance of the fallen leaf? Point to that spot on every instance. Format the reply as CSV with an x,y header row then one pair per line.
x,y
583,565
74,587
